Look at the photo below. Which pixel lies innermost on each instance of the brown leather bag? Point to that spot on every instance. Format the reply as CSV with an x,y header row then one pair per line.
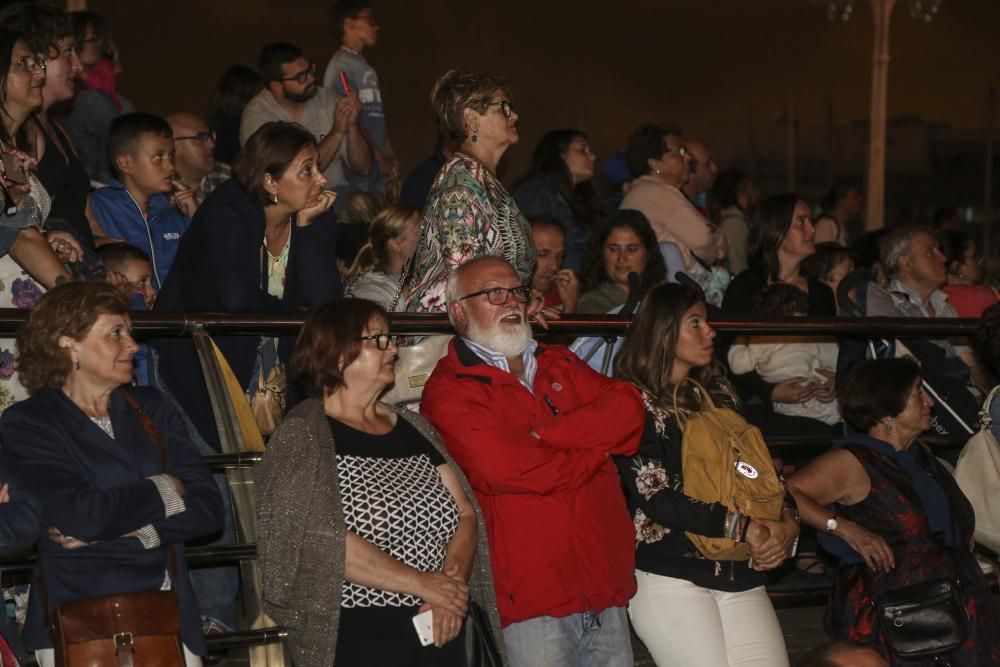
x,y
128,630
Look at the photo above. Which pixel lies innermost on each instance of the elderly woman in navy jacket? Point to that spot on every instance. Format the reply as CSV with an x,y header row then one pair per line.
x,y
80,443
264,242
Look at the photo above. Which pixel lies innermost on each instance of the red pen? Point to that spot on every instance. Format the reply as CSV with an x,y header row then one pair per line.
x,y
343,82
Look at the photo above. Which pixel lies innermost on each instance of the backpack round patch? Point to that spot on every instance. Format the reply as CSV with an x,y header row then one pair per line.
x,y
746,470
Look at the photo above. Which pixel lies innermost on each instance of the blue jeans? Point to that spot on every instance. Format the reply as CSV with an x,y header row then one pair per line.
x,y
587,639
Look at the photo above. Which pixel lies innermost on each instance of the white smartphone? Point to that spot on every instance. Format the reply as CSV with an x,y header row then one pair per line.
x,y
424,623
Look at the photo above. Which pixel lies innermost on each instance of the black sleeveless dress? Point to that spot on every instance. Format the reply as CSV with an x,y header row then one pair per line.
x,y
66,181
893,511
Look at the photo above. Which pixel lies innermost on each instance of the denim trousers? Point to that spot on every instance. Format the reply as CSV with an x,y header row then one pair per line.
x,y
586,639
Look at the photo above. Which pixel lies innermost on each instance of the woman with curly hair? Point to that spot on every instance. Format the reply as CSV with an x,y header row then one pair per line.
x,y
625,244
690,610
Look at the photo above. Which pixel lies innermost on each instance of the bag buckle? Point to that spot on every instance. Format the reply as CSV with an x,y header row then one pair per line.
x,y
898,619
123,640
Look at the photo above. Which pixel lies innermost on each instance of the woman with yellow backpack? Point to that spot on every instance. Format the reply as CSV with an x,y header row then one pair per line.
x,y
711,513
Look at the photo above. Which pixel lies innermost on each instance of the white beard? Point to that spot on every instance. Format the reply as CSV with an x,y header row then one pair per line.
x,y
508,339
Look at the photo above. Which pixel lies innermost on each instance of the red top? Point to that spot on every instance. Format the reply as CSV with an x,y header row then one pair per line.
x,y
970,300
561,536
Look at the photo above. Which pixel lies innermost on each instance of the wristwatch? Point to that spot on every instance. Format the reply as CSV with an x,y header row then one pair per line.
x,y
832,524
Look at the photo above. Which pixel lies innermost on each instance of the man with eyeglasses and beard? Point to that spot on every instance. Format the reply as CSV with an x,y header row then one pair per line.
x,y
292,94
194,157
533,428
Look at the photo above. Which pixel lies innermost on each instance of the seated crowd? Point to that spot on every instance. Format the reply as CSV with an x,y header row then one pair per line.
x,y
537,508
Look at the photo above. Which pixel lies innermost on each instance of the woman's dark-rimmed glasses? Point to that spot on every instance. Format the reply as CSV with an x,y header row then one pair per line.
x,y
382,341
506,108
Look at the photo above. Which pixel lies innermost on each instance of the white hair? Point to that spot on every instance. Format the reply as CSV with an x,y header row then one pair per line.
x,y
454,285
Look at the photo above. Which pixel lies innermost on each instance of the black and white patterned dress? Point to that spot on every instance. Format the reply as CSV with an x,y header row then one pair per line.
x,y
393,496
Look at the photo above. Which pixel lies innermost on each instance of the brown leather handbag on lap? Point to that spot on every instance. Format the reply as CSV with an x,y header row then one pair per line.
x,y
127,629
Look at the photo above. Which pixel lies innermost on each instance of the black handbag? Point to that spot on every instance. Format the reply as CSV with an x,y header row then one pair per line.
x,y
923,620
481,645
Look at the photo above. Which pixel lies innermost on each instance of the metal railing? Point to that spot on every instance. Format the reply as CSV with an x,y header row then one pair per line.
x,y
158,324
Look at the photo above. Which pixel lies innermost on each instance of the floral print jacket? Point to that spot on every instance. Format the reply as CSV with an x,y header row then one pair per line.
x,y
468,213
654,488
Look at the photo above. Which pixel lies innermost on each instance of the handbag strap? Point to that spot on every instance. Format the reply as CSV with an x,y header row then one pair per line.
x,y
985,420
404,275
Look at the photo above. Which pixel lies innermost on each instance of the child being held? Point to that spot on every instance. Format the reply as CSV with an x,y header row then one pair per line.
x,y
789,357
129,268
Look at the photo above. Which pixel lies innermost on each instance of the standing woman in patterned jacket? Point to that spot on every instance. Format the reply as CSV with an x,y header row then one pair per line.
x,y
364,521
469,212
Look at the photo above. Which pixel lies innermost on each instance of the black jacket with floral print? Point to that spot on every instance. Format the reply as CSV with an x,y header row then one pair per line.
x,y
654,483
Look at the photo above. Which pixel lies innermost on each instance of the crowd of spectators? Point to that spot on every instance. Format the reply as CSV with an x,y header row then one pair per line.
x,y
542,494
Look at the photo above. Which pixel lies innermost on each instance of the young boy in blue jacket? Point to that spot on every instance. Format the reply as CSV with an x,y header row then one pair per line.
x,y
136,208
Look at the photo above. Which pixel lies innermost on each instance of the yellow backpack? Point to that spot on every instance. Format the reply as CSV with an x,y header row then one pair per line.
x,y
724,459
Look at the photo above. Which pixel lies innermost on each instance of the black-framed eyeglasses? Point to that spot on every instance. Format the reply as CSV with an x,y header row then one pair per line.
x,y
302,76
506,108
382,341
31,63
201,137
498,296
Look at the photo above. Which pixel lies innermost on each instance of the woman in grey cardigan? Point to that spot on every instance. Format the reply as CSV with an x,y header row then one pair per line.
x,y
363,519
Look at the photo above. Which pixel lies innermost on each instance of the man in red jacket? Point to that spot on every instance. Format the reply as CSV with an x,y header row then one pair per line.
x,y
533,428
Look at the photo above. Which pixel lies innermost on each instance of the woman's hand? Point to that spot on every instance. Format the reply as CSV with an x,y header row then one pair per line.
x,y
793,390
65,246
309,214
825,392
876,551
18,190
65,541
447,624
773,551
439,589
5,495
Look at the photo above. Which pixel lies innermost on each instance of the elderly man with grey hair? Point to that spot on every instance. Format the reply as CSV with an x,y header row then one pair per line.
x,y
534,428
916,268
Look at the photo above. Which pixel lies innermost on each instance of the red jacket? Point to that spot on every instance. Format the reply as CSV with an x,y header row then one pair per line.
x,y
561,537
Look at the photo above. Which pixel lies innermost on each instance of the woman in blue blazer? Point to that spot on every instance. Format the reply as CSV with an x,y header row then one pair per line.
x,y
263,242
79,442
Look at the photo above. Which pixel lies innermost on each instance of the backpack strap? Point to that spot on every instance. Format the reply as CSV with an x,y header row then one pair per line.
x,y
706,400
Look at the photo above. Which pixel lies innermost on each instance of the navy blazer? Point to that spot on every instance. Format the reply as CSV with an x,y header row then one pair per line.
x,y
218,269
95,488
20,528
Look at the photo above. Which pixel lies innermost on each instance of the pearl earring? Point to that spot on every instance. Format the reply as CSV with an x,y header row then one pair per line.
x,y
274,197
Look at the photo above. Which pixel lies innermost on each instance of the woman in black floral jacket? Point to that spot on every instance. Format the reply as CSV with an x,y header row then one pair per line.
x,y
690,610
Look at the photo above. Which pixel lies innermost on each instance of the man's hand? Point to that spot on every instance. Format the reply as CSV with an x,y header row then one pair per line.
x,y
825,392
65,541
183,199
793,390
568,287
346,114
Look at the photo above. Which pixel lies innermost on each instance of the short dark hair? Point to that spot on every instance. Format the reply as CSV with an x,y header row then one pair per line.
x,y
943,215
826,258
70,309
594,273
116,255
101,27
782,300
836,194
771,223
988,339
343,10
727,188
41,25
328,343
273,56
237,86
455,91
954,243
647,142
877,389
269,150
127,130
546,221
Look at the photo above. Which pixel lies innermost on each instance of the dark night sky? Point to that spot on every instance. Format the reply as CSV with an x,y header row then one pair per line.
x,y
604,67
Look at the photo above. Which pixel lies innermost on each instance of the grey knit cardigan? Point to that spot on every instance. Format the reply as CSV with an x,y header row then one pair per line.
x,y
301,534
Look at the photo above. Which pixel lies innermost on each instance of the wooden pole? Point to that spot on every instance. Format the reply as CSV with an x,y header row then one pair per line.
x,y
875,213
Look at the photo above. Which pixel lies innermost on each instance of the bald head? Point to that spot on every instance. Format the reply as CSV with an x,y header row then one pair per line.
x,y
194,147
487,303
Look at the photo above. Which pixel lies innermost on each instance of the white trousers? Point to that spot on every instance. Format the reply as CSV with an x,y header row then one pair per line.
x,y
684,624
